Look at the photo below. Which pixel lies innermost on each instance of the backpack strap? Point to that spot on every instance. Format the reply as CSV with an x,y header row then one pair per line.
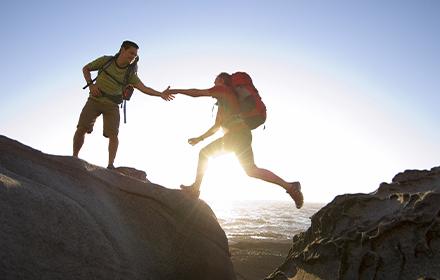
x,y
132,69
105,66
124,106
112,77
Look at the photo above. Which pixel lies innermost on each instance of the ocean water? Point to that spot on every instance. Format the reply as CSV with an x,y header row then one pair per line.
x,y
263,220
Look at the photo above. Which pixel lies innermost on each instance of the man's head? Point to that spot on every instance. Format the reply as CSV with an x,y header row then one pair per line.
x,y
128,52
223,79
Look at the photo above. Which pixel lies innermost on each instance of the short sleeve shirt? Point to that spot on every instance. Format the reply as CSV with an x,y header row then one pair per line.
x,y
105,82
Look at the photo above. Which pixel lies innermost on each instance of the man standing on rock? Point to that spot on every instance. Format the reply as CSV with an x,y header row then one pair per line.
x,y
115,81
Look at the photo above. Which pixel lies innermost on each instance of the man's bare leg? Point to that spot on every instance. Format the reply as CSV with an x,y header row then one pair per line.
x,y
293,189
113,143
78,140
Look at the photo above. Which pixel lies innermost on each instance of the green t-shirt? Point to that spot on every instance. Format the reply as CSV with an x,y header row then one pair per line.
x,y
107,84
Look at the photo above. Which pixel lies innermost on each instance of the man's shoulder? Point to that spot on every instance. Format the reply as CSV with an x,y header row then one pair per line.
x,y
219,91
100,61
106,58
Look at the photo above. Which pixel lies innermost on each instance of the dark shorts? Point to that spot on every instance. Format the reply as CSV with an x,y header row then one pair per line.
x,y
94,109
238,142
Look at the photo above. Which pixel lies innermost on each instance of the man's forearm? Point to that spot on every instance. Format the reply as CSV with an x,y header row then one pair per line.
x,y
147,90
87,75
191,92
150,91
209,132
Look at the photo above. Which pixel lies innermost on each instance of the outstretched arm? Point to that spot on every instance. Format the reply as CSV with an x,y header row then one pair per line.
x,y
166,95
210,131
191,92
205,135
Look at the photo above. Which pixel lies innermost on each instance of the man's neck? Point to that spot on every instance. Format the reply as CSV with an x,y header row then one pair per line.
x,y
121,63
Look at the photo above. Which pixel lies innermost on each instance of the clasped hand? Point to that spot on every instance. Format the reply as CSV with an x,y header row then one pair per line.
x,y
167,94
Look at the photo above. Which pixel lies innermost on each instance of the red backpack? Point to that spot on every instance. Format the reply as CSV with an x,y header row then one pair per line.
x,y
253,110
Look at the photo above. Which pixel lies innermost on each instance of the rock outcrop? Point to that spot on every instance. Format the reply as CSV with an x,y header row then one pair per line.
x,y
393,233
62,218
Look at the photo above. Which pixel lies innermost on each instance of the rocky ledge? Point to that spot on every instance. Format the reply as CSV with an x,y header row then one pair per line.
x,y
393,233
62,218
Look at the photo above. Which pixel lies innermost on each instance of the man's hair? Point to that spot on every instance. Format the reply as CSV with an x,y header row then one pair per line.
x,y
226,78
128,44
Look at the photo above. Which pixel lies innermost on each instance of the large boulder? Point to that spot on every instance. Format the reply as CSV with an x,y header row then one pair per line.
x,y
393,233
62,218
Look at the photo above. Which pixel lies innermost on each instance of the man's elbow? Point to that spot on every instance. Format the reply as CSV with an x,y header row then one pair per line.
x,y
139,86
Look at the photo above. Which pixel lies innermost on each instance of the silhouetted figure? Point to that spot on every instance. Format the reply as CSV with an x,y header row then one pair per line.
x,y
116,78
237,138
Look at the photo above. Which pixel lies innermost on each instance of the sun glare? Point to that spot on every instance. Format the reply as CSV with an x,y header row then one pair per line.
x,y
224,180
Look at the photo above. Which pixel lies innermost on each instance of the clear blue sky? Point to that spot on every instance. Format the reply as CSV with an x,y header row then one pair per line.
x,y
352,86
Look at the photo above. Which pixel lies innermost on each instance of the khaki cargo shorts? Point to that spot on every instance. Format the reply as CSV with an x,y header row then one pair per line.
x,y
239,142
93,109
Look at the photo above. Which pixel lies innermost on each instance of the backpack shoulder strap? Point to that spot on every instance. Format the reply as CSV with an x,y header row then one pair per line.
x,y
103,67
106,64
132,69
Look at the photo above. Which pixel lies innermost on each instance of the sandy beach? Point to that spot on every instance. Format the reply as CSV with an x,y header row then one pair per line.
x,y
254,260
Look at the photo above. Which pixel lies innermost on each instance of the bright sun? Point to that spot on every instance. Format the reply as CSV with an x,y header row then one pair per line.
x,y
224,180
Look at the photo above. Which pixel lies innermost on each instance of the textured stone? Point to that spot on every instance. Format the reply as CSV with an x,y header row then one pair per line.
x,y
392,233
62,218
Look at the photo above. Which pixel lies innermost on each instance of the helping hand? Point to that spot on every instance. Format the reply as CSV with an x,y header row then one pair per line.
x,y
167,95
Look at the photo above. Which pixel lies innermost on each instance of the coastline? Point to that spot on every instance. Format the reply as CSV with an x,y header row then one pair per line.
x,y
260,233
256,259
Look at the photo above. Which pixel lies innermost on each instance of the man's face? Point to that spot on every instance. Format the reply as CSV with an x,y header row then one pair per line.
x,y
218,81
128,55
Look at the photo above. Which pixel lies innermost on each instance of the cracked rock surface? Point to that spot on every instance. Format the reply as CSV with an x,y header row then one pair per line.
x,y
393,233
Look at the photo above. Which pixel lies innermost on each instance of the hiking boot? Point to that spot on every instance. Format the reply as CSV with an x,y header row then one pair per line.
x,y
110,166
294,190
191,191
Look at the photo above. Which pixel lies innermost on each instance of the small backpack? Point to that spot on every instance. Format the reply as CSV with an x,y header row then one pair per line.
x,y
127,91
253,110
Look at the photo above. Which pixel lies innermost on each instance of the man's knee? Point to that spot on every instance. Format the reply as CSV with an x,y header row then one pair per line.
x,y
81,131
113,138
251,170
111,134
204,153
